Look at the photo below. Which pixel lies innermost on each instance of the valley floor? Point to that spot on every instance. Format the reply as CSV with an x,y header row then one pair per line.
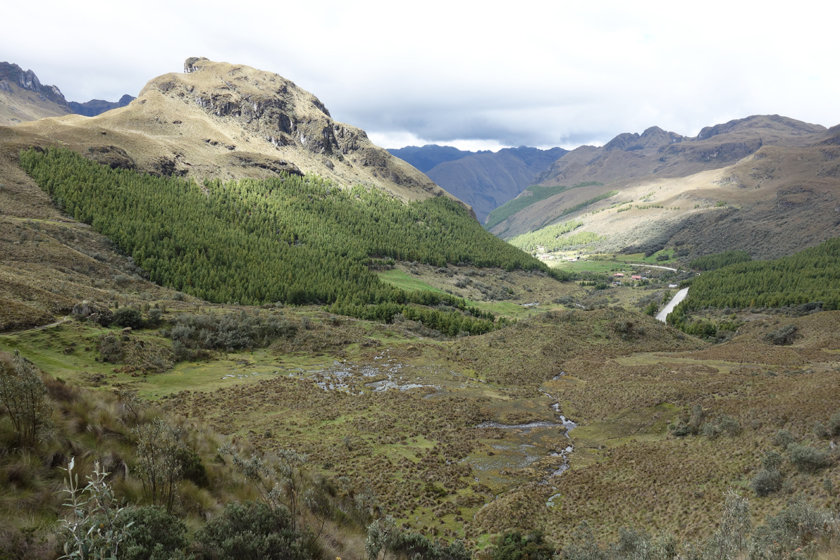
x,y
360,398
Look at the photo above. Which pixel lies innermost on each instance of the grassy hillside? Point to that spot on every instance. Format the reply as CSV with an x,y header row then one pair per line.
x,y
531,195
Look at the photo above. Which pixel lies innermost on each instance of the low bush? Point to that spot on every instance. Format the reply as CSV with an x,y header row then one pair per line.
x,y
233,331
783,438
766,482
249,530
834,424
513,545
795,532
128,317
151,534
22,395
809,459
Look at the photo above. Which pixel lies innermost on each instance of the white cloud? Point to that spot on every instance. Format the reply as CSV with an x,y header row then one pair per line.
x,y
534,73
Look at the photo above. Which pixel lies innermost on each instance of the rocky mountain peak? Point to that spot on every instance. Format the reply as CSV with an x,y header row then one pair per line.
x,y
653,138
220,118
26,79
266,104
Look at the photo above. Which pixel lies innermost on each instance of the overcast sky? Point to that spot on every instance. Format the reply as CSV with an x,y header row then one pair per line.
x,y
472,74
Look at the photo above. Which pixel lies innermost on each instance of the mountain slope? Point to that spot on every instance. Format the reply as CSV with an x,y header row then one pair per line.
x,y
484,180
666,154
765,184
426,157
488,180
24,98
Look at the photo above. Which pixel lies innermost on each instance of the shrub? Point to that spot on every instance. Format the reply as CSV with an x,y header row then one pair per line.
x,y
808,459
723,425
513,545
192,468
128,317
234,331
794,533
110,348
249,530
151,534
834,424
691,424
92,530
22,393
155,316
100,314
783,438
766,482
771,461
820,431
383,534
159,463
730,538
583,545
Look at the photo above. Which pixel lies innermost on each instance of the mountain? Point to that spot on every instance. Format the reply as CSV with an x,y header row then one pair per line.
x,y
223,120
97,106
426,157
23,98
399,432
484,180
218,122
764,184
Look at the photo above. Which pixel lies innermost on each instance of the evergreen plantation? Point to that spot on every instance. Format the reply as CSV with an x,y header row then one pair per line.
x,y
296,240
811,276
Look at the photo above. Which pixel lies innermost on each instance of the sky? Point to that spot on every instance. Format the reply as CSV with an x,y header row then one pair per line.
x,y
475,75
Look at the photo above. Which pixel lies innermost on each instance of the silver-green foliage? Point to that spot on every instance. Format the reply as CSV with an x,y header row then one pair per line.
x,y
92,530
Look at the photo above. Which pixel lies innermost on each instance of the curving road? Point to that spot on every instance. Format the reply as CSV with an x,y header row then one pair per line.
x,y
675,301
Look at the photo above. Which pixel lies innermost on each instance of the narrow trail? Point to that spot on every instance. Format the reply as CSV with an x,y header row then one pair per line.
x,y
38,328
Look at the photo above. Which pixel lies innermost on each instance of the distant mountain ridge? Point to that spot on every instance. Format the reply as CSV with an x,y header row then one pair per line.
x,y
24,98
485,180
661,153
98,106
427,157
767,184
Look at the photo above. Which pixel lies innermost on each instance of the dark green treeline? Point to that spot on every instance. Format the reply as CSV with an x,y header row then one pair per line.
x,y
810,276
